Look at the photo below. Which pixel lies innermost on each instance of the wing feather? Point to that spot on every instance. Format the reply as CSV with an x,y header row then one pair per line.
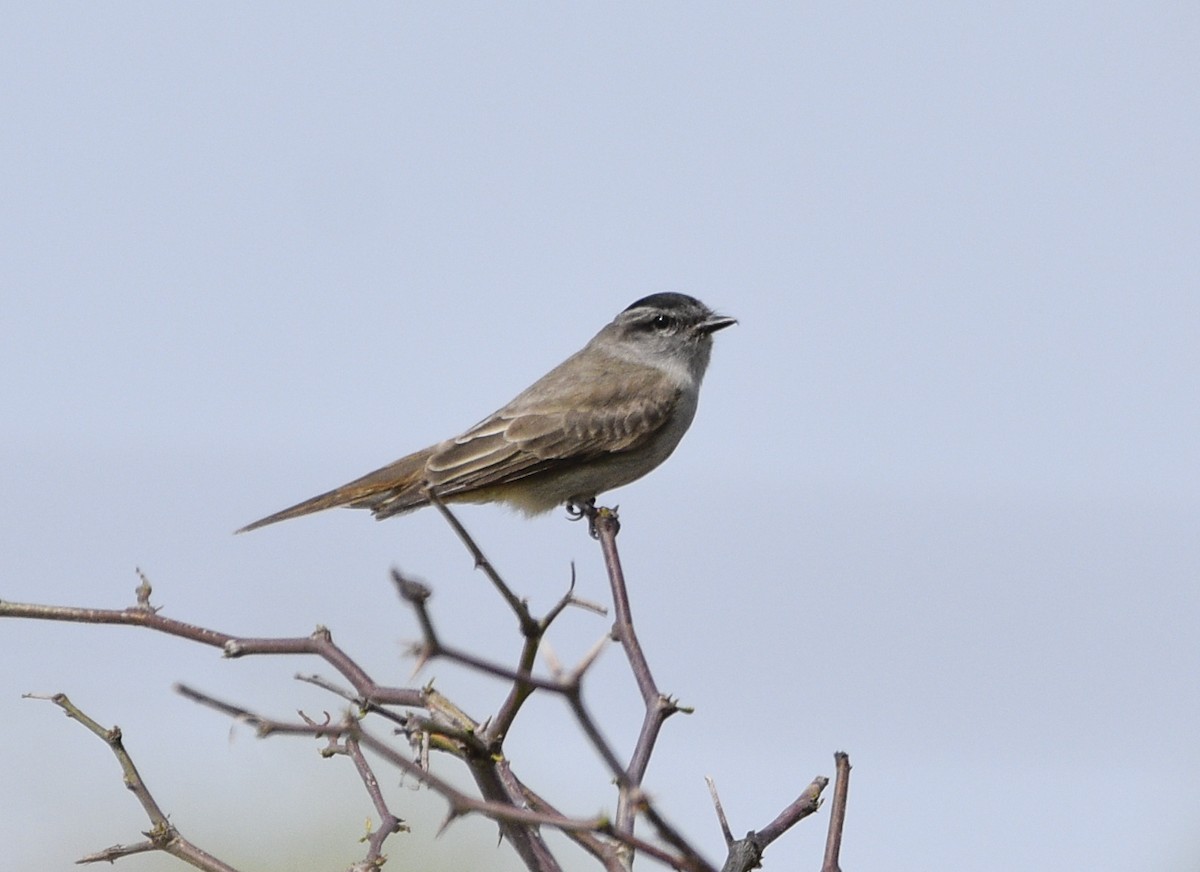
x,y
522,439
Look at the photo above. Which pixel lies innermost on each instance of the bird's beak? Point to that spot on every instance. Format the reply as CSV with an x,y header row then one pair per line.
x,y
713,323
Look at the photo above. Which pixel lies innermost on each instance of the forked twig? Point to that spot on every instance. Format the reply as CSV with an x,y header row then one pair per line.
x,y
570,687
746,853
431,721
460,803
162,835
532,629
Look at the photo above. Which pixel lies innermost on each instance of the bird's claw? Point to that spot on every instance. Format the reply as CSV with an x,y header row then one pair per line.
x,y
577,510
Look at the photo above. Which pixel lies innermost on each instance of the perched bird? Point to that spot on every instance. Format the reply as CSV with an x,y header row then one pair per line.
x,y
604,417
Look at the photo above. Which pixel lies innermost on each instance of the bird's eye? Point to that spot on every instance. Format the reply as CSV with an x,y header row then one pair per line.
x,y
661,322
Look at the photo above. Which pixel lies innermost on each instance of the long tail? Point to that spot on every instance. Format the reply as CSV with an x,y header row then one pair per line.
x,y
399,483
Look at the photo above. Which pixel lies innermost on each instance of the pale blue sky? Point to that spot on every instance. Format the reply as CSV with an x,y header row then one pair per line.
x,y
939,507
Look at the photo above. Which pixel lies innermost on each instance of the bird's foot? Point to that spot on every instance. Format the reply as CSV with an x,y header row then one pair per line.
x,y
577,510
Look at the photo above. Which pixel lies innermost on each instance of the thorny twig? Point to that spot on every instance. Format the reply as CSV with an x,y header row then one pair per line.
x,y
162,835
320,643
460,803
519,811
746,853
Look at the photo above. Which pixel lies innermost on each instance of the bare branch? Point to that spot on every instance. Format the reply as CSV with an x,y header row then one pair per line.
x,y
364,706
745,854
320,643
605,524
726,832
607,527
388,822
805,804
417,595
116,852
569,599
162,835
460,803
600,849
519,607
532,630
837,814
438,724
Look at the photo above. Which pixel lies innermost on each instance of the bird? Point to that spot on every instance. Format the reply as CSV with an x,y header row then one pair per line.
x,y
604,417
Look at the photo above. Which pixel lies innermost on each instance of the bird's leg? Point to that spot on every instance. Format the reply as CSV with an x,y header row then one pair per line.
x,y
578,509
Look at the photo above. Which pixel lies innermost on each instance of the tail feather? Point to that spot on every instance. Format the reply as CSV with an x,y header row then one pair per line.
x,y
387,483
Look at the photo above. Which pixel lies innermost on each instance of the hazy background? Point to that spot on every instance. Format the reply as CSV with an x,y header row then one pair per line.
x,y
939,507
